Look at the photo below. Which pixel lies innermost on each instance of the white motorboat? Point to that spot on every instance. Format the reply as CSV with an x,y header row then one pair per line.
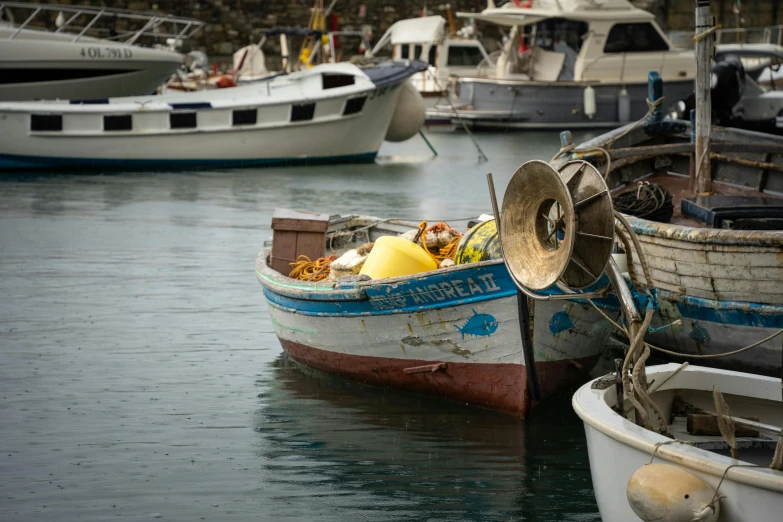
x,y
89,53
448,53
328,113
579,63
741,489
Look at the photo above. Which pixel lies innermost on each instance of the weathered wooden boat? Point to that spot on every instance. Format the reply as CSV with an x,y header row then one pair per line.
x,y
627,460
558,227
718,264
328,113
453,332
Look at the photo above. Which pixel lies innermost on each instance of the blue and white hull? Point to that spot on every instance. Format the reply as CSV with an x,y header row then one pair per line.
x,y
453,333
329,113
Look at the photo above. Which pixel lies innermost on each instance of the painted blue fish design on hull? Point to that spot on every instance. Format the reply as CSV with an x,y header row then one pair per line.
x,y
480,325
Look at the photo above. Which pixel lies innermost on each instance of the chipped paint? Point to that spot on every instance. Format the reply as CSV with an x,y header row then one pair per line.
x,y
700,335
412,340
560,322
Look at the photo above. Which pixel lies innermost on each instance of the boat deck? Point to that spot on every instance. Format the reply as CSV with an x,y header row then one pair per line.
x,y
678,186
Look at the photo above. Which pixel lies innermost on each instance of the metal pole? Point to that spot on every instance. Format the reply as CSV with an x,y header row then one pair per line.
x,y
704,50
523,313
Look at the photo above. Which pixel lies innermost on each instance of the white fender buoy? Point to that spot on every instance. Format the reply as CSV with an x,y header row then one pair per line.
x,y
408,117
668,493
623,106
589,101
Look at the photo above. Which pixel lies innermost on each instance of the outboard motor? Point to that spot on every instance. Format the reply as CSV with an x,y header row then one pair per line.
x,y
727,85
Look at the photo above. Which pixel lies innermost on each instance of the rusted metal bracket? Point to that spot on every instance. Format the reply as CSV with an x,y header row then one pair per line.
x,y
432,368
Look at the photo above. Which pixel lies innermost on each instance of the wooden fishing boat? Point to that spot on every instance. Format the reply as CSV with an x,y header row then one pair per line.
x,y
328,113
453,332
745,488
680,415
718,263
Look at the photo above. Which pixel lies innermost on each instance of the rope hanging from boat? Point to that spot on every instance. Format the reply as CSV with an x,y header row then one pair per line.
x,y
305,269
777,459
725,422
638,246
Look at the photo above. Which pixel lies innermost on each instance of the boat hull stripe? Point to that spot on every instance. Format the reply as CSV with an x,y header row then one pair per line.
x,y
17,162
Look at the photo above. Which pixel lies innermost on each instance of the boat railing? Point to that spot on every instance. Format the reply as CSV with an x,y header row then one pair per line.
x,y
92,21
772,34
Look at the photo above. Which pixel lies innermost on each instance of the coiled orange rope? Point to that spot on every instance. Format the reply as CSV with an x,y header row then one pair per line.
x,y
447,252
450,250
307,270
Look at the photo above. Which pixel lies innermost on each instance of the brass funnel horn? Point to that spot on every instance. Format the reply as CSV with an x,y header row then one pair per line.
x,y
556,226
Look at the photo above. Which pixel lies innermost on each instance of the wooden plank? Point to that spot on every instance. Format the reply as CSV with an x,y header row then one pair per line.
x,y
705,424
311,244
283,251
287,219
704,51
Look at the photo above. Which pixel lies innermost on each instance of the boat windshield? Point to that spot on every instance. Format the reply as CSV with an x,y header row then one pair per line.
x,y
556,32
464,56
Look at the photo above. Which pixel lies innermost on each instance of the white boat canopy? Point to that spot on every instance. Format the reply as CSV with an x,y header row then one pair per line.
x,y
581,10
412,31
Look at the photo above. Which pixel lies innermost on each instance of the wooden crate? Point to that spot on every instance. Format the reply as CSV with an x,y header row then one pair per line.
x,y
297,233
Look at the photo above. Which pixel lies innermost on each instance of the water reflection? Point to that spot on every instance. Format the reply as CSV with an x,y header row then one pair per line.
x,y
373,452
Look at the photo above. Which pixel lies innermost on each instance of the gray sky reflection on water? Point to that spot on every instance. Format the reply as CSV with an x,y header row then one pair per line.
x,y
140,377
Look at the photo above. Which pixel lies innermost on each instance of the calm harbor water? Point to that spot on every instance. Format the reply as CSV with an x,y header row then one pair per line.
x,y
140,377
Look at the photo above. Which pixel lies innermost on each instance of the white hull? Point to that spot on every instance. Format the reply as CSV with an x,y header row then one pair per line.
x,y
40,65
454,333
329,133
617,447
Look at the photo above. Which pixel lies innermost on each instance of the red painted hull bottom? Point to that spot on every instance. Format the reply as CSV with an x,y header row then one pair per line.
x,y
499,387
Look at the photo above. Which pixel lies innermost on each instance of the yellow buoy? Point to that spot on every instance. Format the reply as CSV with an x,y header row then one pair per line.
x,y
480,243
394,256
671,494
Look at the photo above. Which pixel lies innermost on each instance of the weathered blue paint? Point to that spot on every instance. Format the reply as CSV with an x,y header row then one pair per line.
x,y
429,291
707,236
20,162
700,334
560,322
480,325
735,313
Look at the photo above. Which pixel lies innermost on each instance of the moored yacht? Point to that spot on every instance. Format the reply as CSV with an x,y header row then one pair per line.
x,y
87,53
574,62
447,53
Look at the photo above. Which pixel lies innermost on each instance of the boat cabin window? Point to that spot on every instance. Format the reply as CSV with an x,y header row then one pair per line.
x,y
123,122
555,34
244,117
354,105
464,56
303,112
332,81
46,122
405,50
182,120
634,38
